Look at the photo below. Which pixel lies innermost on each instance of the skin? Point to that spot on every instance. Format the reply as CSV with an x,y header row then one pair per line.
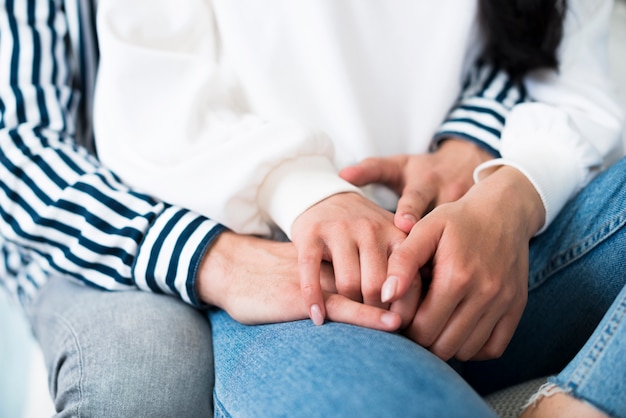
x,y
478,249
475,241
474,238
561,405
358,237
473,304
422,181
268,290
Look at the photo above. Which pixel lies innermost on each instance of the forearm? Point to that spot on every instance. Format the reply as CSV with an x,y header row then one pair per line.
x,y
62,212
183,157
507,190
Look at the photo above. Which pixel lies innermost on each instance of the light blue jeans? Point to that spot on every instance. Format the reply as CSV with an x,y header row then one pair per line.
x,y
138,354
577,271
123,354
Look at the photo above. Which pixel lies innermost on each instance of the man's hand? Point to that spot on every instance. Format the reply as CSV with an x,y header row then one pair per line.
x,y
478,247
356,236
422,181
256,281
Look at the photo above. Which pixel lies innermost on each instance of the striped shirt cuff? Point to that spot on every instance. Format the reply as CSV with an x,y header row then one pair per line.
x,y
170,255
481,111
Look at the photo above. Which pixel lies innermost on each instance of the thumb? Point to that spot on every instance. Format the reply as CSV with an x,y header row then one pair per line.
x,y
407,258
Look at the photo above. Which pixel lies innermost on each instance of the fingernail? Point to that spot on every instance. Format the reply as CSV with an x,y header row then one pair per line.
x,y
389,319
316,315
388,290
410,218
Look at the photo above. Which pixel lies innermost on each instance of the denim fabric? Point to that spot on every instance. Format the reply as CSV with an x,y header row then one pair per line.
x,y
596,374
152,354
299,370
577,271
123,354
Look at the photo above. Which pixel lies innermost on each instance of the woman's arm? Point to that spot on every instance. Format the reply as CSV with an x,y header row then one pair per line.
x,y
171,120
478,245
571,127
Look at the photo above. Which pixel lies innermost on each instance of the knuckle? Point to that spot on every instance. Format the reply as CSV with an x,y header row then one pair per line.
x,y
402,256
490,290
444,351
371,291
455,191
308,258
425,339
454,283
493,351
309,290
349,288
412,196
465,354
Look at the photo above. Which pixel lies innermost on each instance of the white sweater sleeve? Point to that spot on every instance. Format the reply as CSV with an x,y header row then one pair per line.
x,y
572,128
170,120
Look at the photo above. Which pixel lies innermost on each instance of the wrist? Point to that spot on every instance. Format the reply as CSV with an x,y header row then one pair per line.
x,y
463,148
296,185
517,194
211,283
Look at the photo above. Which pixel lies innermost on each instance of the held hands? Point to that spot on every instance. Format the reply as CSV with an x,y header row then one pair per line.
x,y
357,237
256,281
475,241
478,247
422,181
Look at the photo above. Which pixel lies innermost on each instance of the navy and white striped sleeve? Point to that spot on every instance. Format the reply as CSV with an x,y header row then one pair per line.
x,y
61,212
487,97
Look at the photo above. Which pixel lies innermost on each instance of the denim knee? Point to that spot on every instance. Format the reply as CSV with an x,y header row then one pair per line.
x,y
596,374
123,354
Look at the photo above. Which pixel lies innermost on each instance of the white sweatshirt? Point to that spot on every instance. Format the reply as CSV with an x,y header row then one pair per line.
x,y
244,110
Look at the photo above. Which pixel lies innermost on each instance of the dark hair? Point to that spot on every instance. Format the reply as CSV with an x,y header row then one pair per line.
x,y
522,35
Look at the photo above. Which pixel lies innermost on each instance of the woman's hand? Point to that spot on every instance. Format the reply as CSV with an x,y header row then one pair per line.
x,y
256,281
422,181
357,237
478,247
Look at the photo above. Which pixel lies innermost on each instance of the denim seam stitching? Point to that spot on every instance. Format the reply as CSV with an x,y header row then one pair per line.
x,y
74,338
576,252
598,348
218,406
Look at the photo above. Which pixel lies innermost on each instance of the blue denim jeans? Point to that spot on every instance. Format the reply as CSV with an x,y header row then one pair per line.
x,y
140,354
299,370
596,375
577,271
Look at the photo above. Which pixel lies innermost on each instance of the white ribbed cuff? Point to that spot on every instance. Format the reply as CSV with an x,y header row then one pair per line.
x,y
298,184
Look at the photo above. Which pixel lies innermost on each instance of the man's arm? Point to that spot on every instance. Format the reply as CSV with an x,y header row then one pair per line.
x,y
61,212
487,97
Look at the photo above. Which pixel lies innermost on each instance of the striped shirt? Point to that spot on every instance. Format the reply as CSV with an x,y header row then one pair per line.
x,y
63,214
